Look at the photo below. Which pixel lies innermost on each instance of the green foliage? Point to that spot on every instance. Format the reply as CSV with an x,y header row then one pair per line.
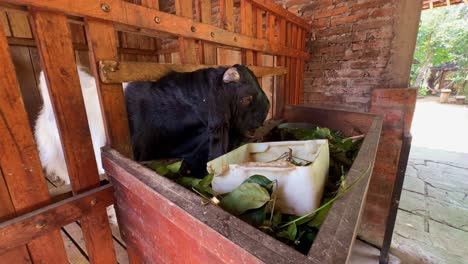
x,y
246,196
442,37
254,200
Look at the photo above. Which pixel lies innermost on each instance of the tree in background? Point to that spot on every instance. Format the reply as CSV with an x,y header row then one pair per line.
x,y
442,39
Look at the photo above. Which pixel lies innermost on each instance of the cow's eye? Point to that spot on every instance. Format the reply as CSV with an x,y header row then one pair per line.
x,y
246,100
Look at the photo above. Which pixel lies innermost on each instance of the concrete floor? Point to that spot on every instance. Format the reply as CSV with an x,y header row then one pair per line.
x,y
432,221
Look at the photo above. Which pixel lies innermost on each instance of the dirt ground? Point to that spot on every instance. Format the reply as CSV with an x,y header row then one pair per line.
x,y
432,221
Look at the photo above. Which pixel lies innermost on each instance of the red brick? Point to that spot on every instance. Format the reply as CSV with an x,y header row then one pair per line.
x,y
320,23
331,12
347,19
394,97
368,4
385,12
392,117
372,24
334,31
335,48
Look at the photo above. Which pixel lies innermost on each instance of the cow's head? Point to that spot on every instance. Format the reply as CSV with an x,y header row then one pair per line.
x,y
250,105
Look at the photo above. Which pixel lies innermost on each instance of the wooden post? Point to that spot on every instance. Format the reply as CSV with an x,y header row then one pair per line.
x,y
102,44
53,38
208,49
280,93
22,184
226,11
246,28
187,47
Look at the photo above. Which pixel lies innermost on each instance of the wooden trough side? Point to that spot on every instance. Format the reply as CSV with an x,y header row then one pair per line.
x,y
162,221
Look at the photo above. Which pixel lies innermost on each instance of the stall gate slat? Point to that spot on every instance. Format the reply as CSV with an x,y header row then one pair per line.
x,y
53,37
20,165
103,46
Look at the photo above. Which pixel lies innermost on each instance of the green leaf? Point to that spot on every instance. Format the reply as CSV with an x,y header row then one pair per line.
x,y
254,217
204,185
262,181
246,196
320,216
292,231
188,182
289,233
174,167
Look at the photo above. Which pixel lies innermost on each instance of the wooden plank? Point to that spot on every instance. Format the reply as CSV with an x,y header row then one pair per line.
x,y
20,230
111,95
334,242
269,61
297,43
73,252
73,230
7,211
293,77
57,59
118,72
208,49
19,24
226,12
145,18
229,56
247,28
151,4
280,93
187,47
204,238
4,23
258,34
280,11
27,81
19,163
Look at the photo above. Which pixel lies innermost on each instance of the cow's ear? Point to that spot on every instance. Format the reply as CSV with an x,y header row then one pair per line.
x,y
231,75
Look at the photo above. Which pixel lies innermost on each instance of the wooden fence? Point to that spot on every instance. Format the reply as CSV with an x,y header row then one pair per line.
x,y
62,33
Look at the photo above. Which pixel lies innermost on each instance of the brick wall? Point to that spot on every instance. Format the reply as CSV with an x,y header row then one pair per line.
x,y
356,47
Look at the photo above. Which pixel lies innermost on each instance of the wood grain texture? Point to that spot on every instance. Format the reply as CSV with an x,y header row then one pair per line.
x,y
208,49
226,13
142,17
187,47
209,234
118,72
19,24
22,229
246,20
4,23
103,46
173,206
54,43
19,162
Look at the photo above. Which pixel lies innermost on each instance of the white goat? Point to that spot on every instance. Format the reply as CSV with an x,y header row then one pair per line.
x,y
47,135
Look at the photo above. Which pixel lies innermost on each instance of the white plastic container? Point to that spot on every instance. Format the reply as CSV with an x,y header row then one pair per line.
x,y
300,188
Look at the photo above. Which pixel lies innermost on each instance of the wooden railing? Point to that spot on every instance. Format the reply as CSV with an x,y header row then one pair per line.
x,y
32,233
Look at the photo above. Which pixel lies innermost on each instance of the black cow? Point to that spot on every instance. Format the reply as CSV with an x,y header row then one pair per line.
x,y
195,116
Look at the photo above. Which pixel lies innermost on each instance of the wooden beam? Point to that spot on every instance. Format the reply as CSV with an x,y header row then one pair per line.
x,y
20,167
139,16
118,72
20,230
208,49
280,11
226,12
52,34
103,46
187,47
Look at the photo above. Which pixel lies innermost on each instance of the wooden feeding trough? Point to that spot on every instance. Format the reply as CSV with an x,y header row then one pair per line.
x,y
164,222
160,221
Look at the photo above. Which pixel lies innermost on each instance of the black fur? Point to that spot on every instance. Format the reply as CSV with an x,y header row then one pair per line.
x,y
194,116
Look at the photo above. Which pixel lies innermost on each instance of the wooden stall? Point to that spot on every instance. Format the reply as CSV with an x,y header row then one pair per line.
x,y
124,41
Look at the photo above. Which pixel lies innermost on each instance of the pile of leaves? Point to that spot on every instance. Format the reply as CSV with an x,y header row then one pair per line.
x,y
254,200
